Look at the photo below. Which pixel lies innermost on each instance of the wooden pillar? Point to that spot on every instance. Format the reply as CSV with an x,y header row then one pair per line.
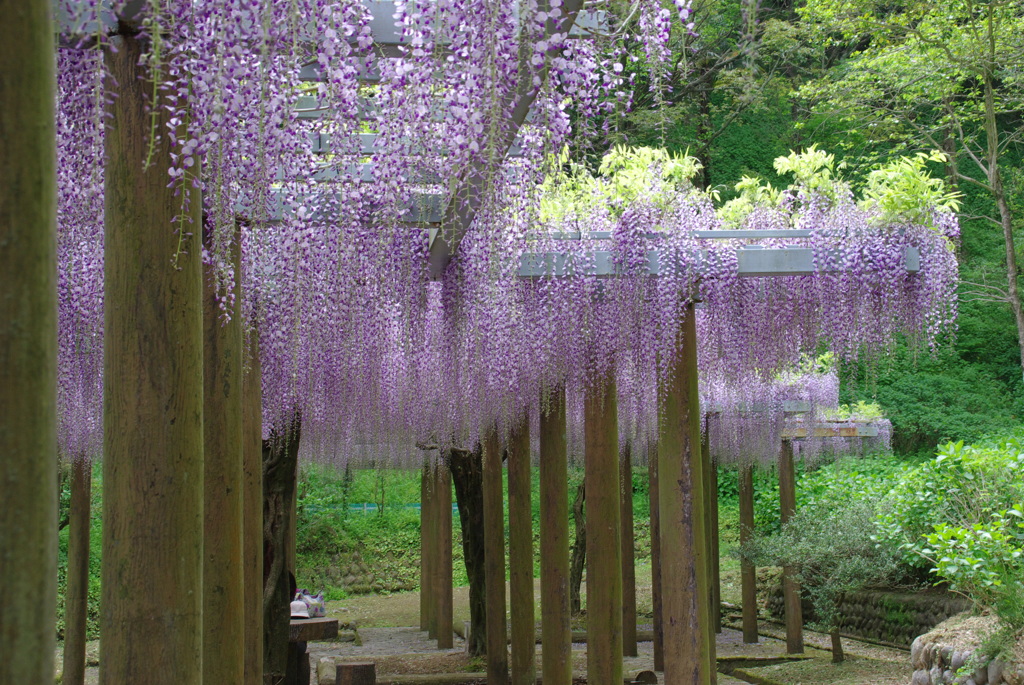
x,y
252,512
711,528
28,344
790,586
556,629
520,555
604,540
628,556
656,592
748,574
425,599
494,562
689,648
76,600
443,565
223,603
429,515
151,614
293,524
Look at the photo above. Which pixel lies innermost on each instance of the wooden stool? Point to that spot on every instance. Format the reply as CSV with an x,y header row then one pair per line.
x,y
301,631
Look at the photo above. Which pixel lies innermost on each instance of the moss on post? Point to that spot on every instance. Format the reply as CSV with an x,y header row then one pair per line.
x,y
151,614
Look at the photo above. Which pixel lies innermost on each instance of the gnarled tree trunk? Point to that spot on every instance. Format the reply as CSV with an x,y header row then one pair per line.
x,y
578,559
467,474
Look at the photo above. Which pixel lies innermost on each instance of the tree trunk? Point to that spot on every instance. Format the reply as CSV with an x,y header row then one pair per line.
x,y
152,592
579,548
76,606
28,343
280,457
223,599
467,474
494,561
556,632
520,555
604,564
252,524
837,647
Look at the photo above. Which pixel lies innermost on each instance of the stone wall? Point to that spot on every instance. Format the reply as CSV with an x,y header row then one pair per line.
x,y
893,617
949,655
357,577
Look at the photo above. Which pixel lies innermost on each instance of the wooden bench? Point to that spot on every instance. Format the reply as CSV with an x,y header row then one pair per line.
x,y
301,631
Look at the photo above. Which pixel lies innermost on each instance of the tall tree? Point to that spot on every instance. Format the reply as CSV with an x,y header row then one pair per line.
x,y
946,80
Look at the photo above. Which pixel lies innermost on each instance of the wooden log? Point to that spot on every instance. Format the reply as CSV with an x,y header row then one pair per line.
x,y
252,512
689,656
556,631
604,561
790,586
494,561
520,555
151,607
223,602
312,629
28,344
443,567
658,637
628,555
77,595
357,673
748,574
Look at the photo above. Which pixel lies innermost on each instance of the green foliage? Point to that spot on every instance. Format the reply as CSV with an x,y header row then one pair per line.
x,y
906,192
833,545
959,487
859,411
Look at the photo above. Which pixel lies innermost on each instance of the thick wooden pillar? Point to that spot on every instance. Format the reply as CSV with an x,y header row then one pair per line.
x,y
790,586
28,343
604,537
494,562
443,565
628,556
520,555
689,647
656,592
77,596
252,512
151,614
556,630
223,603
429,516
748,574
425,599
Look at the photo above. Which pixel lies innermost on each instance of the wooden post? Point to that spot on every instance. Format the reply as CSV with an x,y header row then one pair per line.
x,y
711,528
748,574
28,343
494,562
659,628
556,629
223,599
628,555
76,602
689,648
293,524
433,556
356,673
424,546
252,513
604,541
151,614
520,555
790,586
443,566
